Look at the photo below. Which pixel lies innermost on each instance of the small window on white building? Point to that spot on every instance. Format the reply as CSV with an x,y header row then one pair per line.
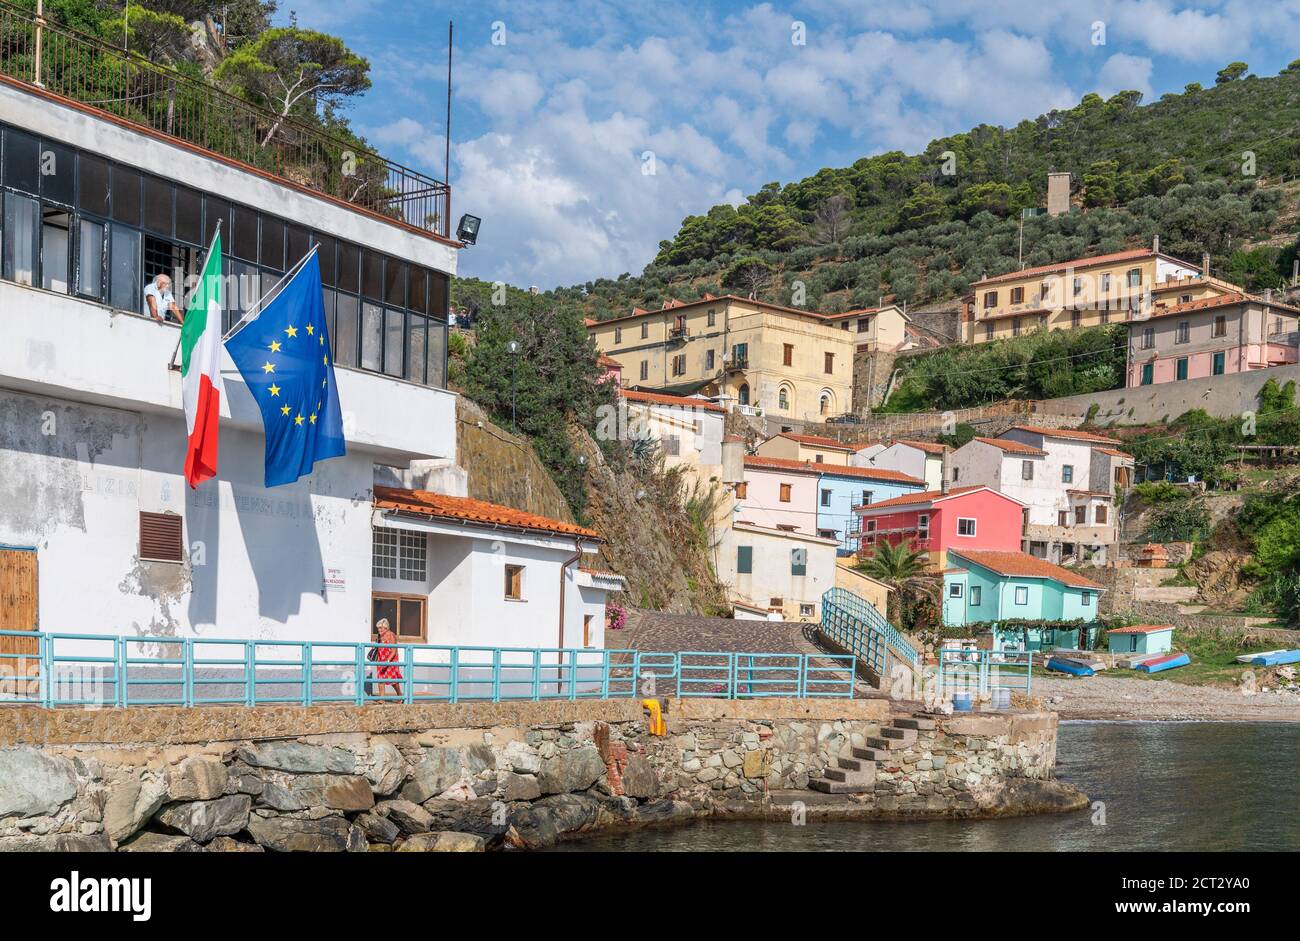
x,y
1067,473
965,526
955,590
826,497
1085,598
515,582
1022,594
807,610
1026,470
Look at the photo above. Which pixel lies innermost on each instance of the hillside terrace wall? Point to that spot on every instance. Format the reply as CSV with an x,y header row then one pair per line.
x,y
476,776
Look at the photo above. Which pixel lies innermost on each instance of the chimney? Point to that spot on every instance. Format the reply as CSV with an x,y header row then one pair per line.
x,y
1205,264
1155,245
945,474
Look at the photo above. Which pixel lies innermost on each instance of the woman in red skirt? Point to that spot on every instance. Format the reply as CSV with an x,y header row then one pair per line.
x,y
387,655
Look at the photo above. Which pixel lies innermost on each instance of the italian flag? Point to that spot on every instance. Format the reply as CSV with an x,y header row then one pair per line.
x,y
201,369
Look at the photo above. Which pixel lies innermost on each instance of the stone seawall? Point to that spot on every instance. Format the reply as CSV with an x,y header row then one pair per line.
x,y
481,776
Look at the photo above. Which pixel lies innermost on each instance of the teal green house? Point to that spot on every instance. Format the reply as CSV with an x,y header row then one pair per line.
x,y
983,585
1141,638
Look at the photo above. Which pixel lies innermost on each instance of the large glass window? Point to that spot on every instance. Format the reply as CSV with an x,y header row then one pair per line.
x,y
394,328
158,206
345,331
22,162
21,216
372,336
58,173
56,244
72,221
126,281
90,255
125,195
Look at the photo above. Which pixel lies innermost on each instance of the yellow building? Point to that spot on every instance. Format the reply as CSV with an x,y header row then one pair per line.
x,y
779,361
1082,292
812,448
875,328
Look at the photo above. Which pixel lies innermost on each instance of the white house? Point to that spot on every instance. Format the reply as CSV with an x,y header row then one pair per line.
x,y
99,533
689,430
923,459
781,573
453,571
1066,478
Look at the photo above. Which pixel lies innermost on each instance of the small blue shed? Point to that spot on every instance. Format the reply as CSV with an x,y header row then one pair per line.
x,y
1141,638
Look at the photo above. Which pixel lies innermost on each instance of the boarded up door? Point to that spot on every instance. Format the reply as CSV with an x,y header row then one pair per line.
x,y
17,599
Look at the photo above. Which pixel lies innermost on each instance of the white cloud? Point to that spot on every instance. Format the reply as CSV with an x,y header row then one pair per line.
x,y
551,126
1123,71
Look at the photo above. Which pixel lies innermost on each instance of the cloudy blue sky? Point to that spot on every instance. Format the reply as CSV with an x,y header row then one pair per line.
x,y
553,120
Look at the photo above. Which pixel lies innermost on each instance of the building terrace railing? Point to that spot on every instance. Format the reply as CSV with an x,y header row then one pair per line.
x,y
97,670
166,101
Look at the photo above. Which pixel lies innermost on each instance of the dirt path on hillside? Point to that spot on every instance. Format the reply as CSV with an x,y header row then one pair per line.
x,y
1117,697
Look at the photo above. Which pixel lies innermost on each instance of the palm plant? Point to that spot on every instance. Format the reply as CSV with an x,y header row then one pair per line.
x,y
905,571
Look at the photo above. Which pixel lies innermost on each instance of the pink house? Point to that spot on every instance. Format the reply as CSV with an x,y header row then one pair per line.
x,y
610,370
932,521
1211,336
779,494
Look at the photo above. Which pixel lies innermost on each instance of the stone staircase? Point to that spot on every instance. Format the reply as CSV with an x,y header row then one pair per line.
x,y
857,775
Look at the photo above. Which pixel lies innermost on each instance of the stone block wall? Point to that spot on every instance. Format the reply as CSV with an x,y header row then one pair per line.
x,y
496,775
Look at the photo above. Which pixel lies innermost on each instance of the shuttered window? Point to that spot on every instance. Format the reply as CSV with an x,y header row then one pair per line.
x,y
160,537
744,560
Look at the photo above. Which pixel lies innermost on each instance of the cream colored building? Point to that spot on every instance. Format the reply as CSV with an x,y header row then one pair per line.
x,y
874,328
813,448
778,361
1083,292
872,591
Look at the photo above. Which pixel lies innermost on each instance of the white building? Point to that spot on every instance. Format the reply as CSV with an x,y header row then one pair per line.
x,y
781,573
1066,478
688,429
923,459
453,571
99,533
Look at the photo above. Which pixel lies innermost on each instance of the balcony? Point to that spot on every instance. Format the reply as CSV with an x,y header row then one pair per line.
x,y
737,364
679,332
83,69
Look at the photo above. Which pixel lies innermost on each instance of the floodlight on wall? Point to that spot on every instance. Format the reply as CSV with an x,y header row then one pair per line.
x,y
467,229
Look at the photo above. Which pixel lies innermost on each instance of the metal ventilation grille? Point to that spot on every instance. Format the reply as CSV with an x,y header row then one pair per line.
x,y
160,537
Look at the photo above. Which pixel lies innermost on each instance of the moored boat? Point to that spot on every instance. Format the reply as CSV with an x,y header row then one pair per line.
x,y
1167,662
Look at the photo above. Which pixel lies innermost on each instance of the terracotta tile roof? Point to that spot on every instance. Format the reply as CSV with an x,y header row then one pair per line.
x,y
783,464
678,401
608,361
711,299
817,441
1089,493
1142,629
929,447
863,447
1218,300
1012,447
467,510
925,496
868,473
1132,254
1023,565
1068,433
1113,453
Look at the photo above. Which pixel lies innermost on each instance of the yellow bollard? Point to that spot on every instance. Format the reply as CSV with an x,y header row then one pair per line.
x,y
654,715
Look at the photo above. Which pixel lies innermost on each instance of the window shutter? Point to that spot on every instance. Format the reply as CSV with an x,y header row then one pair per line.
x,y
160,537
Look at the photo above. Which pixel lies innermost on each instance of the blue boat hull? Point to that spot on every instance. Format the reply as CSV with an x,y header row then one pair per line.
x,y
1165,663
1061,666
1275,658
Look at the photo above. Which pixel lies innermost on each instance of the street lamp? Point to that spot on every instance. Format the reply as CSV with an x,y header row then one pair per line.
x,y
513,349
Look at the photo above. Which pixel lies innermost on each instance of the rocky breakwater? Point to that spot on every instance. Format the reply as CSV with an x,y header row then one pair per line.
x,y
490,776
458,790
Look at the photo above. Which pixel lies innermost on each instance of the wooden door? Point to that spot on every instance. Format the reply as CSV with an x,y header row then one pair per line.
x,y
17,600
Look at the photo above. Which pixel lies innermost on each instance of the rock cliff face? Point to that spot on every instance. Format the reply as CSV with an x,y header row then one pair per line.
x,y
650,542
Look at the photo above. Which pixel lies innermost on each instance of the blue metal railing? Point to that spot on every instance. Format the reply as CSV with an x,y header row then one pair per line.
x,y
862,630
105,670
981,671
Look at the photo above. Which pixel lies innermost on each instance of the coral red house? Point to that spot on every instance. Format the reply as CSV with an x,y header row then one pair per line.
x,y
933,522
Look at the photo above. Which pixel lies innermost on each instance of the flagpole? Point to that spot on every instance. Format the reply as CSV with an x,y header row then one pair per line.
x,y
255,311
171,363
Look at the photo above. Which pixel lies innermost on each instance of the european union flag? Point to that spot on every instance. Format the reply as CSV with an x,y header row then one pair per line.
x,y
285,358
